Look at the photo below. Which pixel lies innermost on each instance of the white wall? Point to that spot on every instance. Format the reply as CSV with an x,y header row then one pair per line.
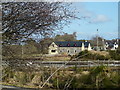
x,y
51,47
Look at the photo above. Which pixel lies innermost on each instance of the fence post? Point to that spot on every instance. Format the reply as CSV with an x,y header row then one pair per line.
x,y
89,65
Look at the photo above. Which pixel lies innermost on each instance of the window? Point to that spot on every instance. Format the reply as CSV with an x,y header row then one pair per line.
x,y
75,51
68,51
60,45
68,44
75,44
53,50
53,45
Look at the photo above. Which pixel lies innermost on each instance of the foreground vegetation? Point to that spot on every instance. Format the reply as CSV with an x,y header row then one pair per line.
x,y
96,77
74,77
84,55
98,55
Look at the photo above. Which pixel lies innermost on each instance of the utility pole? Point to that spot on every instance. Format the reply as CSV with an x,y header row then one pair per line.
x,y
97,39
103,43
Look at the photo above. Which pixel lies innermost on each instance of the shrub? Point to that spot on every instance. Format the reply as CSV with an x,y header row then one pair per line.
x,y
88,55
114,54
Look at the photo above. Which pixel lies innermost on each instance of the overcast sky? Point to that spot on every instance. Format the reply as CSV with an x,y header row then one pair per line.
x,y
99,15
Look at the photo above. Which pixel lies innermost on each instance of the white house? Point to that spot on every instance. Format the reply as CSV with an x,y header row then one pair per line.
x,y
111,45
68,47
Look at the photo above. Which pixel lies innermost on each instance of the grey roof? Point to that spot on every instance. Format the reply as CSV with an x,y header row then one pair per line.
x,y
112,42
71,43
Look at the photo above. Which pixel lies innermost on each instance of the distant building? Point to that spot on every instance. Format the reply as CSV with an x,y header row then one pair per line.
x,y
111,45
68,47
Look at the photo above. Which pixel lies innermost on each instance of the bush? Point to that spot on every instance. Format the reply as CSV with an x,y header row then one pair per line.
x,y
88,55
114,54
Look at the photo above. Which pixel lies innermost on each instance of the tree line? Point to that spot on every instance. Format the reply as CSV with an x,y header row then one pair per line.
x,y
31,46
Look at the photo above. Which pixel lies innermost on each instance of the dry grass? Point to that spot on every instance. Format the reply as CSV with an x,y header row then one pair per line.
x,y
56,58
100,52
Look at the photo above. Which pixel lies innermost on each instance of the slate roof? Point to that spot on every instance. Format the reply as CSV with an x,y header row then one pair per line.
x,y
86,44
71,43
112,42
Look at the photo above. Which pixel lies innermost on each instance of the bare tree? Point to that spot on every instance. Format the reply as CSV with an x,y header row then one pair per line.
x,y
21,20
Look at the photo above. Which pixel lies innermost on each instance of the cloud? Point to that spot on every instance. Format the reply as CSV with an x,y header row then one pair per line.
x,y
83,11
100,19
91,16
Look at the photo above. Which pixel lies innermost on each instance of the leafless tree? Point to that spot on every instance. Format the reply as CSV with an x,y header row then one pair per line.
x,y
21,20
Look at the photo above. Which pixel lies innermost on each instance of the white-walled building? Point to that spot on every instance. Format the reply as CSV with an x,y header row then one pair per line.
x,y
68,47
111,45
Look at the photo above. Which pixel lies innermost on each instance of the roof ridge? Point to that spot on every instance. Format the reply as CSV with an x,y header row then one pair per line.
x,y
71,43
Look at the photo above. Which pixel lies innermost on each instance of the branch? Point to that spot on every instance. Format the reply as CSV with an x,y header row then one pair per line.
x,y
34,30
58,70
70,82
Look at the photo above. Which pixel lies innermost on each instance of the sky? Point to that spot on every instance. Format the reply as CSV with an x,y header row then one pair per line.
x,y
95,15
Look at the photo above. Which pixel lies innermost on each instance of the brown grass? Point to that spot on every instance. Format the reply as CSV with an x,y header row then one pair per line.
x,y
100,52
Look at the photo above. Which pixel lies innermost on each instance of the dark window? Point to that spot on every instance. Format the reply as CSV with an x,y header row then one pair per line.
x,y
68,44
75,50
60,45
68,51
53,45
53,50
75,44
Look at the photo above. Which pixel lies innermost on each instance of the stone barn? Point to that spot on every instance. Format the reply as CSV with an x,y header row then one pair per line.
x,y
68,47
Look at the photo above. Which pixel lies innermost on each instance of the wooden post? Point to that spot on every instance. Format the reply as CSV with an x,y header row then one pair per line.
x,y
89,65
